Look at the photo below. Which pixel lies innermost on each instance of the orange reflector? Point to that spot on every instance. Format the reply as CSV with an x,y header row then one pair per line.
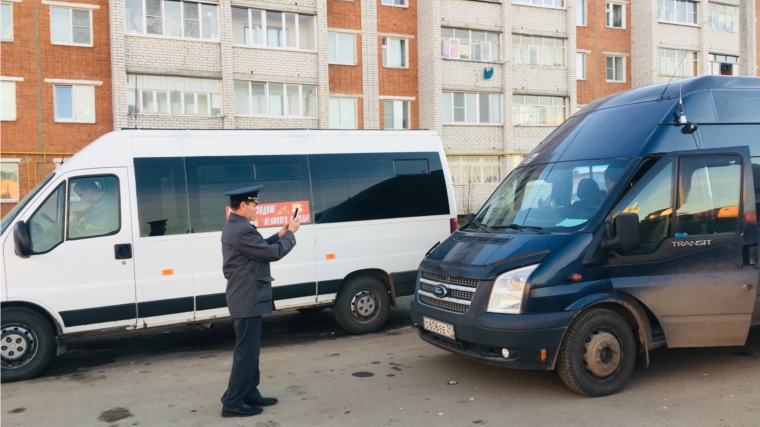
x,y
330,256
167,272
543,355
575,277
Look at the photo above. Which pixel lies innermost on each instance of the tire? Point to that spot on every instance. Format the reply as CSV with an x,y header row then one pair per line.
x,y
29,330
311,310
363,305
603,333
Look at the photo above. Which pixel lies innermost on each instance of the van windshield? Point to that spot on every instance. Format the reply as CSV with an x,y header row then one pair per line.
x,y
8,218
556,197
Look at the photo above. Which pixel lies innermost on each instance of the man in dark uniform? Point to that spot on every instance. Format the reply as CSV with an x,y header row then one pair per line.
x,y
249,296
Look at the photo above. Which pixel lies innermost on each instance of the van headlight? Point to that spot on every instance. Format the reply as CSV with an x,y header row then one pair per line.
x,y
507,292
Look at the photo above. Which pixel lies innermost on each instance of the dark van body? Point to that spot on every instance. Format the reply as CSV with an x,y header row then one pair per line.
x,y
632,226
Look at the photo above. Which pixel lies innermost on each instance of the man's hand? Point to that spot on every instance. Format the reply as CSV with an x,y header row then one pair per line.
x,y
283,230
294,225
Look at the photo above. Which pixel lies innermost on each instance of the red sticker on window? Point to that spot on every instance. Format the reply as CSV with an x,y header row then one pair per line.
x,y
279,214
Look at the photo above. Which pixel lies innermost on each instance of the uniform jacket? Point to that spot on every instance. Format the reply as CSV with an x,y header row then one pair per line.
x,y
246,257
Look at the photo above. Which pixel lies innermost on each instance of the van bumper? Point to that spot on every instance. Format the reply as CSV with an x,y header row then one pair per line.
x,y
482,337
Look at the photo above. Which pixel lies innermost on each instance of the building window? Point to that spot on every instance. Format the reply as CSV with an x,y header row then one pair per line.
x,y
281,30
173,18
724,65
534,50
538,110
343,113
340,48
616,69
723,17
397,3
9,182
580,66
677,11
71,26
275,99
474,170
396,114
457,43
461,107
6,22
394,53
172,95
549,3
580,12
615,15
74,103
679,63
7,101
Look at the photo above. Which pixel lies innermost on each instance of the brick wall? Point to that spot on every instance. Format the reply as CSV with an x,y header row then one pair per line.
x,y
344,14
35,129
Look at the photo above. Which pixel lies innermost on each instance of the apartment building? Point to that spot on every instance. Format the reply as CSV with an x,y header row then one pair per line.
x,y
495,79
55,87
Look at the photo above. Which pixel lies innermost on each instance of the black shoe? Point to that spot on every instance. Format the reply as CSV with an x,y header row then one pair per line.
x,y
263,401
243,410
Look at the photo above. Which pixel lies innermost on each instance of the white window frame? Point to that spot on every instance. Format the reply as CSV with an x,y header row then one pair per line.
x,y
337,47
71,9
340,115
408,112
264,37
144,32
712,59
457,164
477,109
713,23
13,80
392,3
580,61
10,7
610,13
533,109
517,48
74,119
139,94
457,41
679,64
675,14
18,176
384,57
541,3
614,68
285,102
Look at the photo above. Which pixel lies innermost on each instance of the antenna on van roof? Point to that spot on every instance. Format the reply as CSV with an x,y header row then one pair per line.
x,y
680,116
671,79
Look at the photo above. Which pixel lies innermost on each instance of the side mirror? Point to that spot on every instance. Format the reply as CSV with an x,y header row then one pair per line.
x,y
626,233
470,217
21,240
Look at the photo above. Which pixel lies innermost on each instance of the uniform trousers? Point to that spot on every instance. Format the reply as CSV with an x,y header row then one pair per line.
x,y
244,377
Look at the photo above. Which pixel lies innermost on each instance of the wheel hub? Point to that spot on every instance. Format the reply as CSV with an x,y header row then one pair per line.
x,y
16,343
601,353
364,304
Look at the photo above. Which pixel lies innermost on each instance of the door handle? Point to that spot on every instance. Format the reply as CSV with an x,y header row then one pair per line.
x,y
123,251
750,255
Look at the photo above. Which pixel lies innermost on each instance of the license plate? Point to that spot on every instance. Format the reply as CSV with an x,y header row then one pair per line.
x,y
440,328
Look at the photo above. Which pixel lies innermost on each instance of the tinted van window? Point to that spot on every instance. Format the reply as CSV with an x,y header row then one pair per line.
x,y
161,196
361,187
208,178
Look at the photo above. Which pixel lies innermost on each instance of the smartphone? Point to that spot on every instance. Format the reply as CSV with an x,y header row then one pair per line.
x,y
296,214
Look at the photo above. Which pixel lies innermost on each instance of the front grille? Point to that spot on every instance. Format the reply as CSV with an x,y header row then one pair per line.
x,y
454,292
450,279
444,304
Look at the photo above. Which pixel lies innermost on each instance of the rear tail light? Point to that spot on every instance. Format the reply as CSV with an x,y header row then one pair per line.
x,y
453,225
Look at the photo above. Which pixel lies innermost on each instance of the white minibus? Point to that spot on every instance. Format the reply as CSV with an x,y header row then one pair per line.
x,y
372,203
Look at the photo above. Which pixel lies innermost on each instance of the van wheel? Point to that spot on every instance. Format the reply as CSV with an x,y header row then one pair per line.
x,y
363,305
311,310
27,343
598,354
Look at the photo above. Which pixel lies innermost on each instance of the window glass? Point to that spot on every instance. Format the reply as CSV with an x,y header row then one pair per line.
x,y
192,20
173,10
277,171
93,206
257,32
84,104
7,100
709,191
60,23
534,50
9,182
46,225
580,12
210,22
580,66
258,98
154,17
396,114
240,26
306,32
290,30
362,187
291,93
64,102
81,26
343,113
541,110
651,199
678,11
309,93
6,21
274,28
134,18
242,101
276,99
161,196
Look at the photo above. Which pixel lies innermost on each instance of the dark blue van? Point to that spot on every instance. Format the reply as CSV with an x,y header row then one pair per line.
x,y
632,226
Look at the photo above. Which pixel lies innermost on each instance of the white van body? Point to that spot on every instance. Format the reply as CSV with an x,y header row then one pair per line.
x,y
166,276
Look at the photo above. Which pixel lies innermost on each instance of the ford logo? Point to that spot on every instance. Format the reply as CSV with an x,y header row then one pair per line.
x,y
440,291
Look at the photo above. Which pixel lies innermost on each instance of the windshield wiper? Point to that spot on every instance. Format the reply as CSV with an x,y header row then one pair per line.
x,y
481,226
522,227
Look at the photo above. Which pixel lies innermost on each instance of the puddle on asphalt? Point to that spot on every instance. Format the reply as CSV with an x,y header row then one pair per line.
x,y
115,414
363,374
17,411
